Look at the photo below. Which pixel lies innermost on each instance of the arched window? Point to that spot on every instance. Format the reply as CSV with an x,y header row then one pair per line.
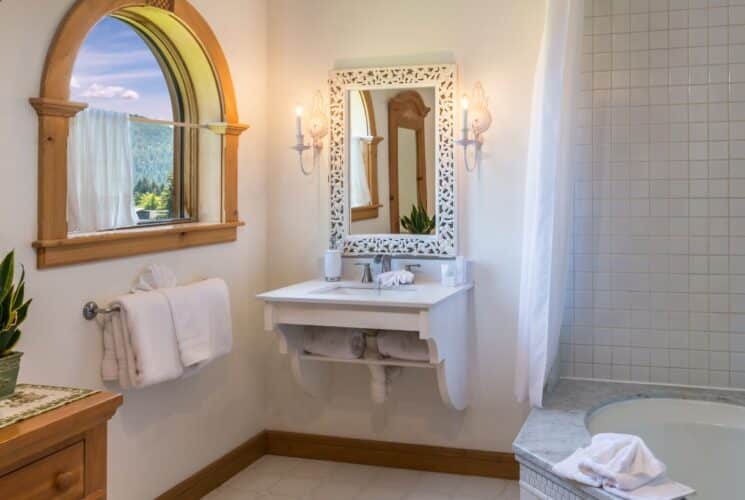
x,y
120,69
142,125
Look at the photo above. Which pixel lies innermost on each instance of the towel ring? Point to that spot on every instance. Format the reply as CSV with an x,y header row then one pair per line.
x,y
91,310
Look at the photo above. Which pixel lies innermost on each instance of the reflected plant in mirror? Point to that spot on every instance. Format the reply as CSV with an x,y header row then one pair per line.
x,y
419,222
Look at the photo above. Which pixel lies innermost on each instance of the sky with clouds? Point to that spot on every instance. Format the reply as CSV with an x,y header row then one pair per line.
x,y
115,70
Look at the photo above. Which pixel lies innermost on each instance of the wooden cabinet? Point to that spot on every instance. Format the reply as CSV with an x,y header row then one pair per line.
x,y
60,454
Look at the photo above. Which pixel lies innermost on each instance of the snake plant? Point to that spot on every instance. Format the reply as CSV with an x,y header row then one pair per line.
x,y
419,222
13,309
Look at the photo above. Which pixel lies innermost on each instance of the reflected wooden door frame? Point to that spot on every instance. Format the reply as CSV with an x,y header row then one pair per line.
x,y
406,110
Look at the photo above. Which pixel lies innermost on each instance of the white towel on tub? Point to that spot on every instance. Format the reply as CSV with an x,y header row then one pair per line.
x,y
201,316
144,340
622,465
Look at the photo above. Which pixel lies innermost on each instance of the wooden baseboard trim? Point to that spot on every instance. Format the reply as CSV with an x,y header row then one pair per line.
x,y
387,454
349,450
209,478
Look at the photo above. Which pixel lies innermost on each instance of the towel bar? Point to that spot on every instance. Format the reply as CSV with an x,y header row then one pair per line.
x,y
91,310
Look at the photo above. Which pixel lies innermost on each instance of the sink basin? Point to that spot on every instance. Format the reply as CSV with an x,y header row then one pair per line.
x,y
365,291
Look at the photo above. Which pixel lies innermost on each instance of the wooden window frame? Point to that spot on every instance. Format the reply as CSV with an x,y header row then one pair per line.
x,y
54,246
370,156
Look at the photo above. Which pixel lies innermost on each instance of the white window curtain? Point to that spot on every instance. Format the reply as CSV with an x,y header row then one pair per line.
x,y
548,200
100,172
360,186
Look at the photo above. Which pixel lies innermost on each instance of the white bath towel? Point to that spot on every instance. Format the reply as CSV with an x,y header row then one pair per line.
x,y
395,278
342,343
621,463
403,345
109,363
144,340
201,317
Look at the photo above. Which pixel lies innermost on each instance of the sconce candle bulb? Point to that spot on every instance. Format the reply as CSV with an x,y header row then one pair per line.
x,y
318,130
298,120
479,123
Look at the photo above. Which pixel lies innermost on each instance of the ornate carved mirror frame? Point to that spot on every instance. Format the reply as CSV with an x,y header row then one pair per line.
x,y
442,78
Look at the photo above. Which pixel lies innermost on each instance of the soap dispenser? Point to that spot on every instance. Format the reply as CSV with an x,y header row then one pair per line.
x,y
332,262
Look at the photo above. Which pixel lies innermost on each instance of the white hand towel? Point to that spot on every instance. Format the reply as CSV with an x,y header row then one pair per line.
x,y
403,345
343,343
145,340
395,278
201,316
621,463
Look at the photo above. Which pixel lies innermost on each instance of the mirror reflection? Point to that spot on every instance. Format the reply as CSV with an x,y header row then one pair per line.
x,y
392,161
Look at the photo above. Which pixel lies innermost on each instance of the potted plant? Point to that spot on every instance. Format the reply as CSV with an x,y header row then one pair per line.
x,y
419,222
13,311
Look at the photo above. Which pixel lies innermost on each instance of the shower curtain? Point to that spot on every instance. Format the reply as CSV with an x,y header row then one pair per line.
x,y
100,174
548,199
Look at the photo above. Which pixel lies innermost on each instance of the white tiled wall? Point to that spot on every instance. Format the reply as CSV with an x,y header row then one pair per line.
x,y
657,286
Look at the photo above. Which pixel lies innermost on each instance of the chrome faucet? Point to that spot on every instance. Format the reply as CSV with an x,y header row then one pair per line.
x,y
384,261
366,272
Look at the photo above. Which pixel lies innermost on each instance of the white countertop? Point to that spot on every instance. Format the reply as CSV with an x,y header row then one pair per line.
x,y
421,295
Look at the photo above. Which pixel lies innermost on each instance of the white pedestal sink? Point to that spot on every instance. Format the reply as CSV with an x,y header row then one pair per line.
x,y
437,313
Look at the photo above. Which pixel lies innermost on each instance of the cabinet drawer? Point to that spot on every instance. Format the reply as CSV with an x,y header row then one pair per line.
x,y
58,476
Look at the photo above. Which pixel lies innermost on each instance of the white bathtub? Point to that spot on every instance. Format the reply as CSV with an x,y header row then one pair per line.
x,y
702,443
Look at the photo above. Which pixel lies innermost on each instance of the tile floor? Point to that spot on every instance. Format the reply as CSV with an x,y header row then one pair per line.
x,y
284,478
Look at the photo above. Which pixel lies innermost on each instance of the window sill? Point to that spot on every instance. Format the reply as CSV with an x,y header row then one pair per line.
x,y
124,243
363,213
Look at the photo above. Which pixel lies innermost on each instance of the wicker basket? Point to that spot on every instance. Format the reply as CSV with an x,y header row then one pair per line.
x,y
9,366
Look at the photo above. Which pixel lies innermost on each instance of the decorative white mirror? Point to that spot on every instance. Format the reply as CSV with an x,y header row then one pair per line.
x,y
392,178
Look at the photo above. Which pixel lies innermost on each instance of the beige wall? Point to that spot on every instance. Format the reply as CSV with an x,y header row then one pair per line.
x,y
164,433
492,41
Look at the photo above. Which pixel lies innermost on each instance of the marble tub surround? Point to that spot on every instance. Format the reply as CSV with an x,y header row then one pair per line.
x,y
553,432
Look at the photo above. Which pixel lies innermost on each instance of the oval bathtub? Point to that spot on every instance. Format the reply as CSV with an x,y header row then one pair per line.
x,y
702,443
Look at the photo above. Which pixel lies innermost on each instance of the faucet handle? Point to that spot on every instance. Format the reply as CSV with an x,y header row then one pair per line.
x,y
366,272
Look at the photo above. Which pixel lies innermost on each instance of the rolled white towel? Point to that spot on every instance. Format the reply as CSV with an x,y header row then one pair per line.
x,y
395,278
403,345
343,343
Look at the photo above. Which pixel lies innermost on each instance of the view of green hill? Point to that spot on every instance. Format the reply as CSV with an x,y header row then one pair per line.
x,y
152,148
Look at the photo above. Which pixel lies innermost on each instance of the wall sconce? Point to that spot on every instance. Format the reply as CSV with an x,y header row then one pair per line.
x,y
319,127
478,113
